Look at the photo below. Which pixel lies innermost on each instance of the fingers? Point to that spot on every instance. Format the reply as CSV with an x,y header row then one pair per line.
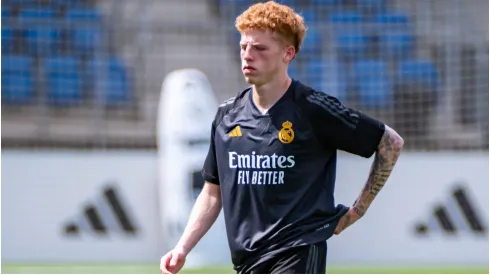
x,y
344,222
164,261
173,260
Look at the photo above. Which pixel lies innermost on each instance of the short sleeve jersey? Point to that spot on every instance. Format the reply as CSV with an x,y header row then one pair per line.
x,y
276,171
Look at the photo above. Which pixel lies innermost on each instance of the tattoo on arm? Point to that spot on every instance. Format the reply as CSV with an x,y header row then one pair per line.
x,y
389,150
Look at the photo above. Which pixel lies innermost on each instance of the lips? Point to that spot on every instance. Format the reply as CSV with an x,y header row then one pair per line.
x,y
248,68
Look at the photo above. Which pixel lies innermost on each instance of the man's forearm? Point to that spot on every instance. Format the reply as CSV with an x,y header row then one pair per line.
x,y
389,150
203,215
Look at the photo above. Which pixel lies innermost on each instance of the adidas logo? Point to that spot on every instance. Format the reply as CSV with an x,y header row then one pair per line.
x,y
104,215
236,132
458,214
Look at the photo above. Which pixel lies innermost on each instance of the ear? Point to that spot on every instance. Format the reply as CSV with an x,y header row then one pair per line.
x,y
289,54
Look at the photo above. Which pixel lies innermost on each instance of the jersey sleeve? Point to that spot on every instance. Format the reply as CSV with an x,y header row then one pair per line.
x,y
210,168
340,127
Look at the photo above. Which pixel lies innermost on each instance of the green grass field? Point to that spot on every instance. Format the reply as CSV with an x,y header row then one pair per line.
x,y
154,269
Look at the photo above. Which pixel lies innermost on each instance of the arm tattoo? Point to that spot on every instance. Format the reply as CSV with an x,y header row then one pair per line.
x,y
389,150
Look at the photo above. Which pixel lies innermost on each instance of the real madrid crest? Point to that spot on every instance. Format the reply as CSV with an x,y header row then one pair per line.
x,y
286,134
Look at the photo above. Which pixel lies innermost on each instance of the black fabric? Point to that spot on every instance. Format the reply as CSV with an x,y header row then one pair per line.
x,y
309,259
277,170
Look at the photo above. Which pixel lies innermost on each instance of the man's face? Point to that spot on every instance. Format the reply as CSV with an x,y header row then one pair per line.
x,y
263,56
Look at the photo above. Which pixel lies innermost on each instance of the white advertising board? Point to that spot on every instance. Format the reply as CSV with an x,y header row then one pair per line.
x,y
76,206
49,200
417,218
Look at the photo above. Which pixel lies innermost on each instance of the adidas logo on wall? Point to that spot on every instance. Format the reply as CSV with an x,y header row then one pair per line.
x,y
458,214
103,215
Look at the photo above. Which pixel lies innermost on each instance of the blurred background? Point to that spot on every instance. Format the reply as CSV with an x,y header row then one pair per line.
x,y
82,84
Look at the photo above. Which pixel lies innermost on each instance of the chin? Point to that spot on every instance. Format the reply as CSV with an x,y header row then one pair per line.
x,y
250,80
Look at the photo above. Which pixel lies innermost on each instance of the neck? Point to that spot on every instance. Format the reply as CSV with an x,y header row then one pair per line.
x,y
266,95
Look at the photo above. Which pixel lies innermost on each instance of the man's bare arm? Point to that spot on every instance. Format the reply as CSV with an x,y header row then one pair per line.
x,y
386,156
204,213
389,150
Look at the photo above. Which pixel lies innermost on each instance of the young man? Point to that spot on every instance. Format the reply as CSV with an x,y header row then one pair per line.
x,y
272,159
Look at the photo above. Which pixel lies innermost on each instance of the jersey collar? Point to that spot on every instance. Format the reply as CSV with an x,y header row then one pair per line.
x,y
288,94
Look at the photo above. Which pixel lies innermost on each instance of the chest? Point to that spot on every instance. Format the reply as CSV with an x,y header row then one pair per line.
x,y
282,132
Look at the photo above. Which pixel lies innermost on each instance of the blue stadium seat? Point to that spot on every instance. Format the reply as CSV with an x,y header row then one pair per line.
x,y
396,44
373,82
328,76
6,12
17,79
310,17
87,14
290,3
326,2
348,33
313,72
351,43
418,72
312,44
66,3
373,6
112,81
64,83
391,20
392,17
86,39
43,39
37,13
345,17
21,2
7,39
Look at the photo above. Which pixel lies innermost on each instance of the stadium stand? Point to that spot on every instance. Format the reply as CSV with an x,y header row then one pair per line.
x,y
391,58
54,43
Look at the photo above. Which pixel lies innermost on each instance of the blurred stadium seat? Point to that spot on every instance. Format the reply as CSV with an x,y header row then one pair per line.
x,y
327,75
86,39
43,39
83,14
7,39
418,72
396,44
17,79
36,13
392,18
62,50
62,74
372,6
343,18
313,43
373,83
111,81
351,43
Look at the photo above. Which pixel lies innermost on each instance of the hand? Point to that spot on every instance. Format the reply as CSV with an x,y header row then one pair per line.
x,y
172,262
348,219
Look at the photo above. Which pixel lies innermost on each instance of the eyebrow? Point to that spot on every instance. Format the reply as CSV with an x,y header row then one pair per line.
x,y
254,44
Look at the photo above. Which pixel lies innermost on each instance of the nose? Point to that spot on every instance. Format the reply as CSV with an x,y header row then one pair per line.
x,y
247,56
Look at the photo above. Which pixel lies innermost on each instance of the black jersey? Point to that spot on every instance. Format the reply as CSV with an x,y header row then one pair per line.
x,y
276,171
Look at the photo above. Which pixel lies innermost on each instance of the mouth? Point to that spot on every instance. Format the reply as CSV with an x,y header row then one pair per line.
x,y
248,69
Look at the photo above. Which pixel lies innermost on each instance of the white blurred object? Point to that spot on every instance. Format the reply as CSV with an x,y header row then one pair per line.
x,y
186,111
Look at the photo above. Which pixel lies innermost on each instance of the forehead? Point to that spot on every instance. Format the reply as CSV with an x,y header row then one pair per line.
x,y
258,37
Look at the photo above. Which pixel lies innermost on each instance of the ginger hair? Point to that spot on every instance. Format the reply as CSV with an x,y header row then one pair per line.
x,y
275,17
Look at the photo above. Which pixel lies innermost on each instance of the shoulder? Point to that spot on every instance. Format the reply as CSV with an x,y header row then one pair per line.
x,y
230,104
319,105
314,101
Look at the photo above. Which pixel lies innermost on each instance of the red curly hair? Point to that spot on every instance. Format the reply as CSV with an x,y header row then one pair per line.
x,y
276,17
